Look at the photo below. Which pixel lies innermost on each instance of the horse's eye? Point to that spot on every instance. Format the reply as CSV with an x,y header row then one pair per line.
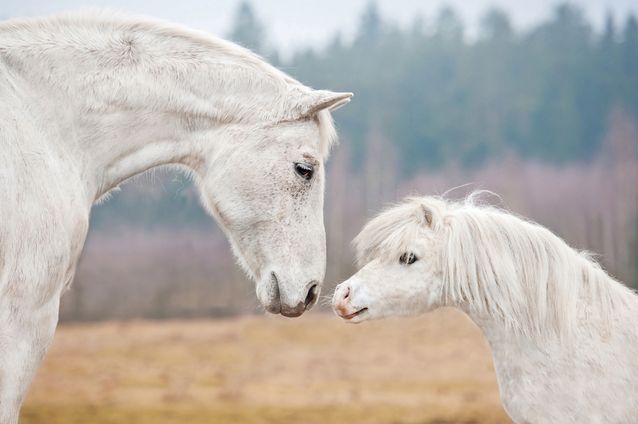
x,y
408,258
304,170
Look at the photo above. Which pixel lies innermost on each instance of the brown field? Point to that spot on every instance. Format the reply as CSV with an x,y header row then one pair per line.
x,y
314,369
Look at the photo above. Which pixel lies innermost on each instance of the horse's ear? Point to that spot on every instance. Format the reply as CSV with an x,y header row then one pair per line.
x,y
318,100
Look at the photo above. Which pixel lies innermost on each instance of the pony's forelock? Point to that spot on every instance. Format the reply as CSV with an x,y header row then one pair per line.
x,y
392,232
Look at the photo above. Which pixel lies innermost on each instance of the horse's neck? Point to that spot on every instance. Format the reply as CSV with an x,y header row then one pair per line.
x,y
121,100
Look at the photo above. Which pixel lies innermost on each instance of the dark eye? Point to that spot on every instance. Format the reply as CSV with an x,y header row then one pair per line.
x,y
408,258
304,170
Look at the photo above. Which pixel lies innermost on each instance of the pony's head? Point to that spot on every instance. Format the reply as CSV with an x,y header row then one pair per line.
x,y
400,251
429,252
265,188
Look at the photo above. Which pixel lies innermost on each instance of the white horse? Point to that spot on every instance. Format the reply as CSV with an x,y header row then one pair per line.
x,y
90,100
562,332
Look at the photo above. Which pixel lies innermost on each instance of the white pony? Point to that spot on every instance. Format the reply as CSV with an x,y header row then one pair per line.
x,y
562,332
90,100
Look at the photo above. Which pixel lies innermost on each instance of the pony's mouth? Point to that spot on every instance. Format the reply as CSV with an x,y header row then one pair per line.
x,y
354,314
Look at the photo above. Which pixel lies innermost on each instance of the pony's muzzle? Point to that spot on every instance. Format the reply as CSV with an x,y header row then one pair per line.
x,y
341,299
342,303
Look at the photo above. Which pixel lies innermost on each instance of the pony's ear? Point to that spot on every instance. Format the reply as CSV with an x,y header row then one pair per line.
x,y
318,100
432,212
427,214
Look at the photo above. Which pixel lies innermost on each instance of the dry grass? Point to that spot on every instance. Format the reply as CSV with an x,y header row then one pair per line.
x,y
315,369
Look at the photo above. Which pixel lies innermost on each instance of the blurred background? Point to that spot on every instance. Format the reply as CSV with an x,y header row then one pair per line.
x,y
535,100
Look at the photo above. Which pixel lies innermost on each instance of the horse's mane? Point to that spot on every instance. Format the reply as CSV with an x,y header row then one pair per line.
x,y
103,20
498,264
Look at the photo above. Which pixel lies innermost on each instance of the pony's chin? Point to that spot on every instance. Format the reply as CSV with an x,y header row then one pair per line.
x,y
355,317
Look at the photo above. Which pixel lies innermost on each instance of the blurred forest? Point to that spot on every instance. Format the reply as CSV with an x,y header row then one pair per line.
x,y
547,118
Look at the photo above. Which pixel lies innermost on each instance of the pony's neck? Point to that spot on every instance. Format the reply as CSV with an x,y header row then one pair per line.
x,y
597,301
126,96
498,334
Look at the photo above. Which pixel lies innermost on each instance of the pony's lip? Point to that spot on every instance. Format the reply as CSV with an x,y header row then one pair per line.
x,y
354,314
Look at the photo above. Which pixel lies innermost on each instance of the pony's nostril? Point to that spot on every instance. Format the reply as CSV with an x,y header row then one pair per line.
x,y
347,295
311,296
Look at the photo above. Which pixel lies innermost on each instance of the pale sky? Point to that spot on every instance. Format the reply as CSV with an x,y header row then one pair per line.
x,y
293,24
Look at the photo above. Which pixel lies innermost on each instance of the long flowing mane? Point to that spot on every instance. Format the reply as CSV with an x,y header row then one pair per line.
x,y
499,265
91,31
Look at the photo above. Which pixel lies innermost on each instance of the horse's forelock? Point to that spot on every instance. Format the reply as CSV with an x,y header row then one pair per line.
x,y
327,132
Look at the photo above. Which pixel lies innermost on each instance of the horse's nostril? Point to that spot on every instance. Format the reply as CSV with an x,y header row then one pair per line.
x,y
311,296
275,281
347,295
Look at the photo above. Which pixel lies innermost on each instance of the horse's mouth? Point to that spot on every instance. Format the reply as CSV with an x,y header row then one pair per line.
x,y
354,314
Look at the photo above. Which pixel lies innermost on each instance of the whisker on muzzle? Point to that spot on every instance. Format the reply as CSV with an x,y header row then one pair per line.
x,y
325,300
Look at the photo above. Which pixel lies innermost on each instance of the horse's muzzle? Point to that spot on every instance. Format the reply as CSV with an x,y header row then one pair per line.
x,y
275,305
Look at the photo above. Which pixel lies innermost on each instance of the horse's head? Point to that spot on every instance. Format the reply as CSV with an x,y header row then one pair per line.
x,y
266,191
400,251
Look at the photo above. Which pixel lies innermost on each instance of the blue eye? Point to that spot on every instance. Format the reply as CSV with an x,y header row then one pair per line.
x,y
408,258
304,170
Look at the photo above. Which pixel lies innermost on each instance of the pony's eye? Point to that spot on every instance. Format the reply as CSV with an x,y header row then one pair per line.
x,y
304,170
408,258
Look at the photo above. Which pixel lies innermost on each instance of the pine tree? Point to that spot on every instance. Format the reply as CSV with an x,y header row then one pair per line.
x,y
496,25
248,30
629,50
371,26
